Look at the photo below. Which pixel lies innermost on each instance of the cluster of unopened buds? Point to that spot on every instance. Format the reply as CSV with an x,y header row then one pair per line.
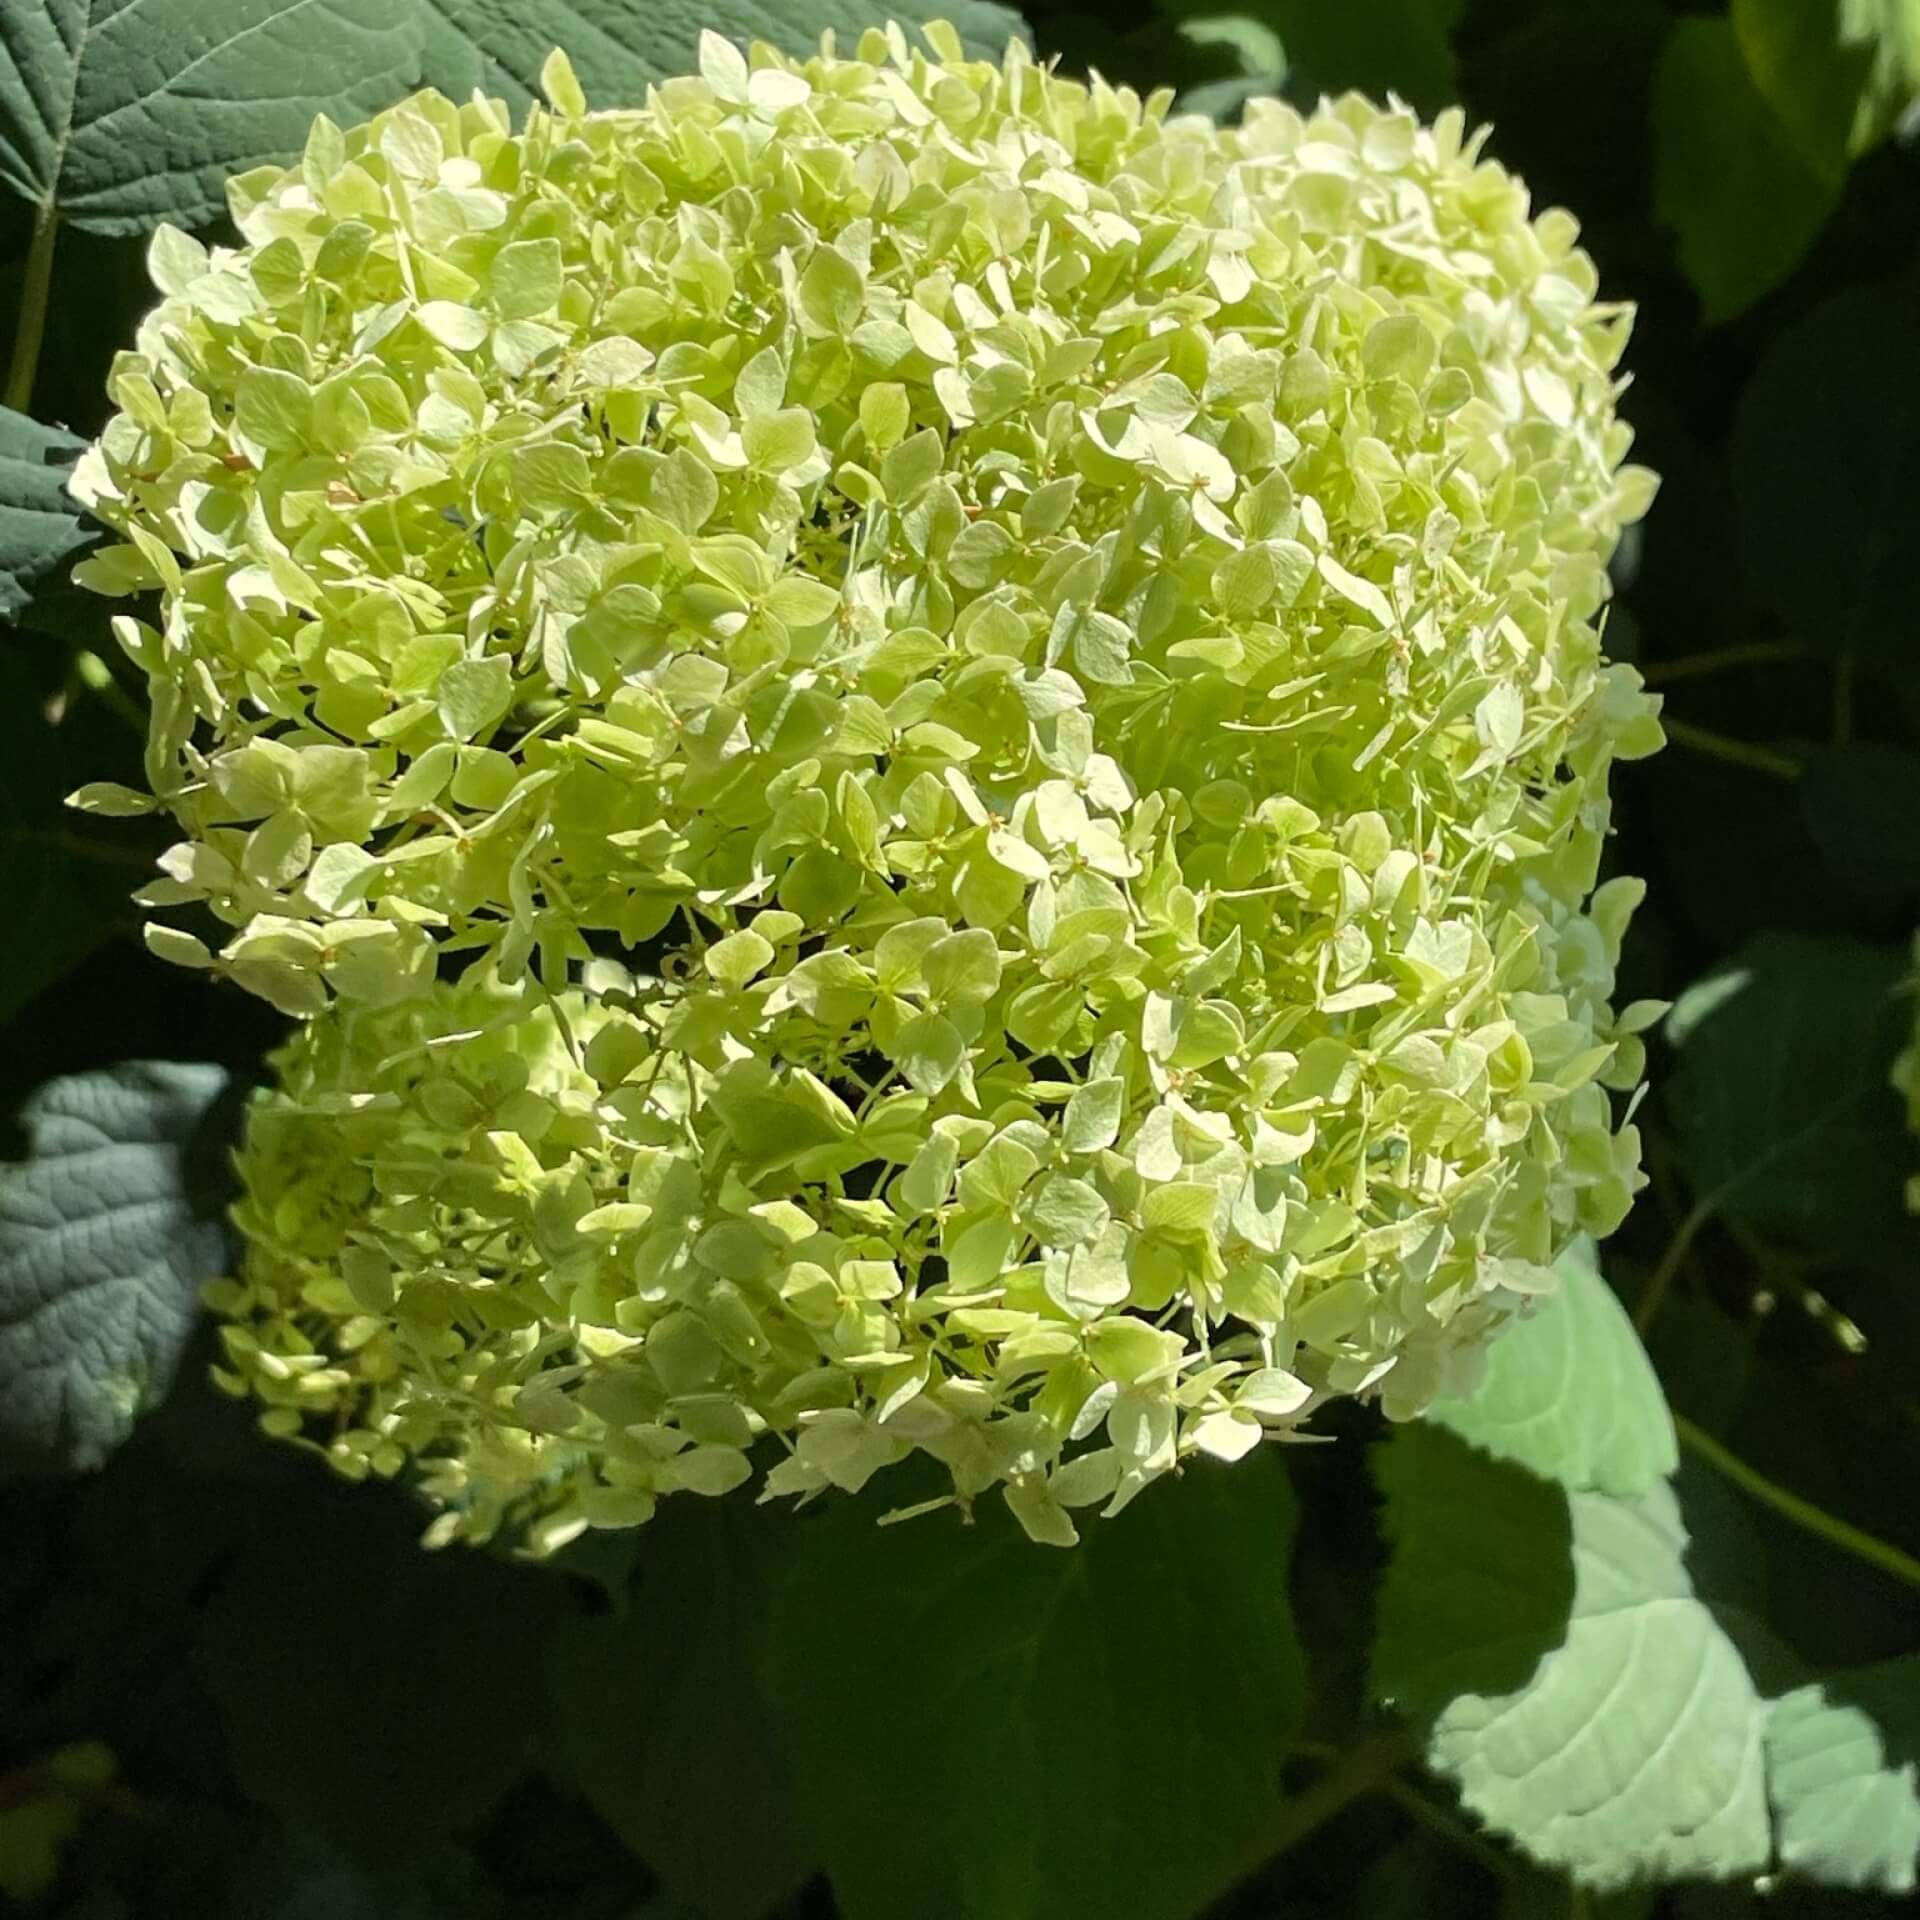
x,y
926,752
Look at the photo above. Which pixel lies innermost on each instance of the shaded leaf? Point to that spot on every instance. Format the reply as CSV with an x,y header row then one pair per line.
x,y
1569,1392
1729,179
124,113
661,1719
1781,1104
1862,806
1480,1586
1378,46
1571,137
38,524
66,881
620,47
1825,484
1244,55
1067,1694
378,1695
1813,83
105,1238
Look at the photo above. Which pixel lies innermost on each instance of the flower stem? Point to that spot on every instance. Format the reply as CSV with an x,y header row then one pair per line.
x,y
1736,753
1699,666
1801,1513
1653,1295
32,325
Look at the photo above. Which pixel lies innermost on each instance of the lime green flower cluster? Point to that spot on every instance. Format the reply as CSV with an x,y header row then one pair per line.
x,y
931,750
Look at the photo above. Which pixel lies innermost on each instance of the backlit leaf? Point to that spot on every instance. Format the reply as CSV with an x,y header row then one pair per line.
x,y
1569,1391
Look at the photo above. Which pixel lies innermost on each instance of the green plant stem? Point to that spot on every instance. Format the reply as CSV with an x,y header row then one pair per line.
x,y
93,673
1736,753
1801,1513
1455,1831
1700,666
1660,1282
1843,699
31,327
1358,1771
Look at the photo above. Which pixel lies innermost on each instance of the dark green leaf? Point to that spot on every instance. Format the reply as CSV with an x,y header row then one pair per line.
x,y
1824,478
1580,146
66,879
1480,1586
621,47
1890,1691
1812,82
1377,46
122,113
377,1694
105,1238
38,524
1862,806
661,1719
1729,180
1781,1103
1066,1713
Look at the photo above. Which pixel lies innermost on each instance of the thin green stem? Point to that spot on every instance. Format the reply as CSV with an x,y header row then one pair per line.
x,y
1801,1513
1736,753
32,325
77,846
1843,674
1660,1282
96,676
1448,1825
1357,1772
1701,666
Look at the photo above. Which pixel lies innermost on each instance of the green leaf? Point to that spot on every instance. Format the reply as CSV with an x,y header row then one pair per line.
x,y
1890,29
1066,1695
38,524
1242,51
1824,481
122,113
105,1237
1861,803
1569,1391
66,879
1729,179
1480,1586
1781,1105
1377,46
1813,83
621,47
1634,1751
1845,1817
377,1695
661,1721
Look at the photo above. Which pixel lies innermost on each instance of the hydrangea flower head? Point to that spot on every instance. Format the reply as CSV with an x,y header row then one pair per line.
x,y
928,749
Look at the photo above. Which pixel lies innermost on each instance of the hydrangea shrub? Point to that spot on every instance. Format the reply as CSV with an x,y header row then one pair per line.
x,y
927,750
